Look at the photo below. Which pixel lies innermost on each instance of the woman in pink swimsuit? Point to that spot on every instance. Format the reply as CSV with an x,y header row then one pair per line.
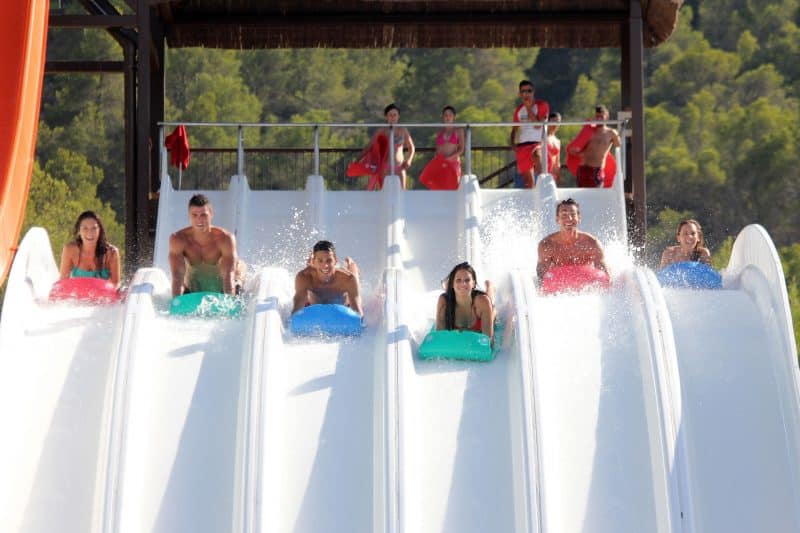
x,y
444,170
464,307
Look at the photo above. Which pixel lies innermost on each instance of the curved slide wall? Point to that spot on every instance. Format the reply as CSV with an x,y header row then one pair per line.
x,y
23,34
739,421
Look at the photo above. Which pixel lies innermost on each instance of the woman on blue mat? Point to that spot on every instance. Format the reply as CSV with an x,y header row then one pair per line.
x,y
89,254
463,306
690,245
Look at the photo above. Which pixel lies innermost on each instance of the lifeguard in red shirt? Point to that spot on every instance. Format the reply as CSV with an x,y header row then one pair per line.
x,y
526,139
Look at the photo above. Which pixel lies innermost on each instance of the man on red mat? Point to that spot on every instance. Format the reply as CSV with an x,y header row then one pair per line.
x,y
526,140
568,246
592,155
322,282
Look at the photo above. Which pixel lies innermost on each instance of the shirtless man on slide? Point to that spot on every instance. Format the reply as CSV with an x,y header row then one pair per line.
x,y
568,246
322,282
202,257
593,155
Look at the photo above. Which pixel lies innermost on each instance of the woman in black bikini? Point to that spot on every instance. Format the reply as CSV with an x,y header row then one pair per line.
x,y
464,307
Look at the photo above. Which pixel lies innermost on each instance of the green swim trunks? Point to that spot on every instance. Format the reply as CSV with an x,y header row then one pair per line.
x,y
202,278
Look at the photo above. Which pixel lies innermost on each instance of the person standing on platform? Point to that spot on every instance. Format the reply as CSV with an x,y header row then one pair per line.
x,y
526,139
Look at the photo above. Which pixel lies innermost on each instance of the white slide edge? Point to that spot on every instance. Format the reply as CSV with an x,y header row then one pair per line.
x,y
33,273
522,288
257,401
139,314
755,268
664,362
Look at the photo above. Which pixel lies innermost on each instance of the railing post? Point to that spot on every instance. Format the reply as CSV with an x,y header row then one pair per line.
x,y
391,150
623,163
468,150
240,152
163,157
316,149
545,142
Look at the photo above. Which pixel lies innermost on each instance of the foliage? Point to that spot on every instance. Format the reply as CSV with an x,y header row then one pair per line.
x,y
60,192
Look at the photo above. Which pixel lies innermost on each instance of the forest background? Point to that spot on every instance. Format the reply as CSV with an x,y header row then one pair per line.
x,y
722,114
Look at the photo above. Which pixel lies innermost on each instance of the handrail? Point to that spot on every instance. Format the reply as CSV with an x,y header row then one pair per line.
x,y
315,126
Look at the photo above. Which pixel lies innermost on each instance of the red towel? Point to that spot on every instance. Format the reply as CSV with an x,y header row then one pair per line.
x,y
177,144
579,143
441,174
372,164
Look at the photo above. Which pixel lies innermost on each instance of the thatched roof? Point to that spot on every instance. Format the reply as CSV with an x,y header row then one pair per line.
x,y
409,23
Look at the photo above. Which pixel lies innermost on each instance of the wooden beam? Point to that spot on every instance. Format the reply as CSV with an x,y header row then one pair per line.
x,y
92,21
88,67
543,18
636,87
144,143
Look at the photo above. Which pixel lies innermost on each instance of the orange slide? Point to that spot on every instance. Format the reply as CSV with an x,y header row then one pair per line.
x,y
23,34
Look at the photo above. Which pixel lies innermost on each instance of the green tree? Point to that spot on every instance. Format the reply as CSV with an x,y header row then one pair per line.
x,y
62,190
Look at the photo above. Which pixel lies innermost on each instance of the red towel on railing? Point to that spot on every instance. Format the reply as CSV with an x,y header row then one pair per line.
x,y
372,164
441,174
177,144
574,161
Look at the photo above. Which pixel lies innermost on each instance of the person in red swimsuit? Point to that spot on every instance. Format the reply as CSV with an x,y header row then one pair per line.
x,y
464,307
526,139
444,170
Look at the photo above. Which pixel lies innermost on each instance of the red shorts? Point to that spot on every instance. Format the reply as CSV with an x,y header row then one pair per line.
x,y
590,177
525,154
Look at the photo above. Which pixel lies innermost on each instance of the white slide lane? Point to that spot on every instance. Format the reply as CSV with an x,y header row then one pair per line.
x,y
739,431
603,447
320,426
55,366
121,419
462,436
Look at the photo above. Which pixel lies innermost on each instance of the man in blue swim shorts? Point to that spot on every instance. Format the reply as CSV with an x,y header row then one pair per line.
x,y
322,282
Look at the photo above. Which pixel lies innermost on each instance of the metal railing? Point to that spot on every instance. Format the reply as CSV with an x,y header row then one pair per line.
x,y
288,167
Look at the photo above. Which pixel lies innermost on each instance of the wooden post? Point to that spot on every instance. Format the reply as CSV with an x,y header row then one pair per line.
x,y
636,91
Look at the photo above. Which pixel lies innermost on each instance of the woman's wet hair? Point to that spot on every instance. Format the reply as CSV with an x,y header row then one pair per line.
x,y
450,293
700,241
102,240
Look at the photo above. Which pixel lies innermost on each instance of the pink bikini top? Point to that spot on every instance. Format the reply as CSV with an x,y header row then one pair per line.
x,y
452,140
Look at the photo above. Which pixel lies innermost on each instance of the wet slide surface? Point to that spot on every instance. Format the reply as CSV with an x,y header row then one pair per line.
x,y
181,431
740,469
53,385
597,426
319,475
460,422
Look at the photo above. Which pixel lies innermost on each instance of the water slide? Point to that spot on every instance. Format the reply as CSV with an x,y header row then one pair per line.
x,y
23,34
601,412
